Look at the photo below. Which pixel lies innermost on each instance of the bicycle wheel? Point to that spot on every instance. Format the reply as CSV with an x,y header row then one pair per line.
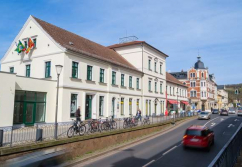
x,y
114,125
82,130
70,132
104,126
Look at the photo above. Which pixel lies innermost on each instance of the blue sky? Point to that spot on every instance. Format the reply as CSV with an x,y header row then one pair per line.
x,y
179,28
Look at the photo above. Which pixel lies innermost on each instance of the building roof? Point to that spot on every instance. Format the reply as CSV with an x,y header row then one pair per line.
x,y
179,75
170,78
199,64
134,43
221,87
75,43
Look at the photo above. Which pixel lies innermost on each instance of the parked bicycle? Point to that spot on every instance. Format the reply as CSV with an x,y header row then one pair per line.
x,y
109,124
76,129
130,122
146,121
94,126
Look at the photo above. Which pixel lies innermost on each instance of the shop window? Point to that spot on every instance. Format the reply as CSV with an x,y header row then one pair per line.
x,y
122,106
40,112
101,105
73,105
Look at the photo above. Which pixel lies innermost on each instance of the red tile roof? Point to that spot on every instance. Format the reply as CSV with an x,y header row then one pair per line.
x,y
170,78
134,43
76,43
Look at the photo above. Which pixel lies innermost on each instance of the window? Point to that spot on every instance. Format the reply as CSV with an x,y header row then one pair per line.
x,y
149,64
160,68
74,69
193,94
130,106
27,70
101,75
202,75
137,104
180,92
11,69
173,91
122,79
35,42
155,86
130,81
202,93
101,104
205,94
113,78
170,91
201,84
149,85
160,88
193,75
155,67
193,84
25,44
122,106
73,104
47,69
89,73
137,83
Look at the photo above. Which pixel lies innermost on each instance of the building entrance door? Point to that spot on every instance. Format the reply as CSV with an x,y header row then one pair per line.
x,y
29,112
88,107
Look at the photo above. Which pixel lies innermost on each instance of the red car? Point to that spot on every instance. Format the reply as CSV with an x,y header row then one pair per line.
x,y
198,136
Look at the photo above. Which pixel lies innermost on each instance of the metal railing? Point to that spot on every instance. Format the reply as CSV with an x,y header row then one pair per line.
x,y
12,136
228,155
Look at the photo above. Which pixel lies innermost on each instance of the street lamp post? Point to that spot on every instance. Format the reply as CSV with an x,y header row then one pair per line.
x,y
58,71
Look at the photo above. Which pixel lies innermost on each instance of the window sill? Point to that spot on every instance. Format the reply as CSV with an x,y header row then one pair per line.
x,y
102,83
156,92
114,85
150,70
150,91
161,93
131,88
90,81
50,77
156,72
138,89
76,79
124,87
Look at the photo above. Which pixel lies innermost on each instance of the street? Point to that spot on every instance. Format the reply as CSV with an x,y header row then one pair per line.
x,y
166,149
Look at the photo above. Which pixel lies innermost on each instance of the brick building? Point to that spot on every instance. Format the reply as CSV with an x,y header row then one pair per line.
x,y
202,88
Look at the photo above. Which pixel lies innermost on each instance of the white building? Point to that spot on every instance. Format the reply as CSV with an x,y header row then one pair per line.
x,y
94,77
224,95
151,62
176,94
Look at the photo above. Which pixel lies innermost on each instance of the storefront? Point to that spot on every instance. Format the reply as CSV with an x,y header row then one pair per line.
x,y
183,105
29,107
172,105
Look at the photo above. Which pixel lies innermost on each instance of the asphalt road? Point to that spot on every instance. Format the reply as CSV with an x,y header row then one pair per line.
x,y
166,150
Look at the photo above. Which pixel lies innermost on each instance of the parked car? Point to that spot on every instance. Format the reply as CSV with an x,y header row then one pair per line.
x,y
204,115
239,111
198,136
224,112
232,110
215,111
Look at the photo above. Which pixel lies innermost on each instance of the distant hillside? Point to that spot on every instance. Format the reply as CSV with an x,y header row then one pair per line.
x,y
231,90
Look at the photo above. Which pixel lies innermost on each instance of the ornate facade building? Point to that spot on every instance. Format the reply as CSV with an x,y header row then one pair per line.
x,y
202,88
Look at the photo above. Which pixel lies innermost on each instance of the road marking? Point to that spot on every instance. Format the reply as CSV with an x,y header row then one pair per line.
x,y
212,124
236,120
222,119
210,121
230,125
148,163
169,150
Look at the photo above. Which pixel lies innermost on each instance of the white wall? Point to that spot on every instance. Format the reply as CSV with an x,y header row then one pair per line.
x,y
7,93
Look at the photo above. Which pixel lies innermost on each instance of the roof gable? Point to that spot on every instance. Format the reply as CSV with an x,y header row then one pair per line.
x,y
75,43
